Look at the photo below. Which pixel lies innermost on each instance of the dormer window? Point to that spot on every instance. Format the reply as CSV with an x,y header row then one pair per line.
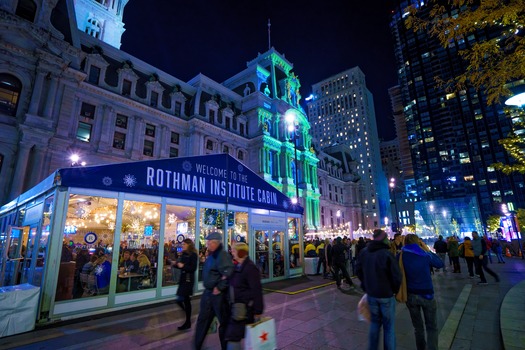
x,y
178,108
154,99
94,75
211,116
126,87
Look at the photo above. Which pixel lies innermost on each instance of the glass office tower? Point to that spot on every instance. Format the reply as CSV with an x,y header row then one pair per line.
x,y
453,136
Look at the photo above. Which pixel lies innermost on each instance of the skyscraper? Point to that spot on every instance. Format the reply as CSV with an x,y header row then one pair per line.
x,y
453,136
341,111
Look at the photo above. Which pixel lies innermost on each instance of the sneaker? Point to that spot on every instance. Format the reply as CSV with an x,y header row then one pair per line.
x,y
482,283
471,277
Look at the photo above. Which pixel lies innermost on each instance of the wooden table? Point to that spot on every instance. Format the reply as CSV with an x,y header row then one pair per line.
x,y
129,276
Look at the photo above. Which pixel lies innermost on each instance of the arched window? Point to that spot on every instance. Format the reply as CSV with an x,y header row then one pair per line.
x,y
93,27
10,88
26,9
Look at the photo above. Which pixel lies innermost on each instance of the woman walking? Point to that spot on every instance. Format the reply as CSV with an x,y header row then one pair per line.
x,y
187,263
246,297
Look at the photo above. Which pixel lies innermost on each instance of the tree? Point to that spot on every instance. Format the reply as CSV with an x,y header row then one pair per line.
x,y
494,63
493,223
514,144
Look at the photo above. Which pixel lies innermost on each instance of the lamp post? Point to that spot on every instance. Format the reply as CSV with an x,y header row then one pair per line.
x,y
393,187
291,121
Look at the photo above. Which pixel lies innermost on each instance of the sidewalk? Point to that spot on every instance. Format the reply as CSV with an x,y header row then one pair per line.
x,y
321,318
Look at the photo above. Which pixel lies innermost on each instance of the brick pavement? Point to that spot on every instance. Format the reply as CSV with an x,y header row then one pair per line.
x,y
326,318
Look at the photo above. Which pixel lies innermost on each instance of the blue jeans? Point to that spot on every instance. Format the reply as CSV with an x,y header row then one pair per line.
x,y
416,304
382,313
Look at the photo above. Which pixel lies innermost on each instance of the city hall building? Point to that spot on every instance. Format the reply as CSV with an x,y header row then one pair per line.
x,y
71,100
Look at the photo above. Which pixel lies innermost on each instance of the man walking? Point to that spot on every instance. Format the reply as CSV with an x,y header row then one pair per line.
x,y
417,261
480,258
440,247
215,272
339,263
378,270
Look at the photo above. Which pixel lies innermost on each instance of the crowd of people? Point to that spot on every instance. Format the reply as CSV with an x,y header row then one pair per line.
x,y
400,270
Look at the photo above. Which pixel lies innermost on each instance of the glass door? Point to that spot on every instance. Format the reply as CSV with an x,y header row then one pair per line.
x,y
271,254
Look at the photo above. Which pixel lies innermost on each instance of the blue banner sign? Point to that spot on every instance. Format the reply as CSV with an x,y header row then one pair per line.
x,y
217,178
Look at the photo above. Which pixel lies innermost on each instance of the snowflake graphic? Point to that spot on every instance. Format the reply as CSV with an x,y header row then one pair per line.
x,y
98,270
130,180
240,168
285,204
186,165
107,181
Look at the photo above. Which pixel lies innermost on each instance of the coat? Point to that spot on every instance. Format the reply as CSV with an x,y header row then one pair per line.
x,y
246,284
453,248
378,270
187,273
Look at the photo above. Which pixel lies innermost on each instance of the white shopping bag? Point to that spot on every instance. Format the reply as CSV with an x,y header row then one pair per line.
x,y
261,335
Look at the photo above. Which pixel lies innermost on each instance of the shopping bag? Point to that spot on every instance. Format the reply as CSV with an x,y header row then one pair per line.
x,y
261,335
363,309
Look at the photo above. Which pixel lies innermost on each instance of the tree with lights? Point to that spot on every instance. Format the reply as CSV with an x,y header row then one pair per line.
x,y
495,64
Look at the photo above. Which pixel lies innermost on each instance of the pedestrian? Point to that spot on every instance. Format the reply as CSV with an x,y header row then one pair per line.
x,y
187,263
440,247
468,253
488,244
328,255
380,277
496,246
246,296
217,268
322,258
453,253
417,261
480,258
339,263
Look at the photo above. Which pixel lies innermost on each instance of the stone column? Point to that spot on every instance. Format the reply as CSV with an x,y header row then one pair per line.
x,y
20,172
39,152
37,93
138,137
106,128
50,100
162,143
130,135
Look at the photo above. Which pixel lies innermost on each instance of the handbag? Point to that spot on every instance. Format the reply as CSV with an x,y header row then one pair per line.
x,y
402,294
239,311
261,335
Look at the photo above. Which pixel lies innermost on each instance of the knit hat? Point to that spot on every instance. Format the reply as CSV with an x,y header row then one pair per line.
x,y
379,235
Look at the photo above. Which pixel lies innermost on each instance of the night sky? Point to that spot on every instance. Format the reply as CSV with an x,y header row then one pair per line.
x,y
217,38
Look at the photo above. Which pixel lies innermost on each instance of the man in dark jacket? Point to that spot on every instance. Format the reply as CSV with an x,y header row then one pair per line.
x,y
215,272
440,247
380,276
339,263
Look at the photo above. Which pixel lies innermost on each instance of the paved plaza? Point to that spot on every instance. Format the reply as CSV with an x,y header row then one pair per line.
x,y
469,317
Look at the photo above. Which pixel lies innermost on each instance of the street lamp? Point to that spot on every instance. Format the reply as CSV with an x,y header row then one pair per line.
x,y
291,121
75,160
393,187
